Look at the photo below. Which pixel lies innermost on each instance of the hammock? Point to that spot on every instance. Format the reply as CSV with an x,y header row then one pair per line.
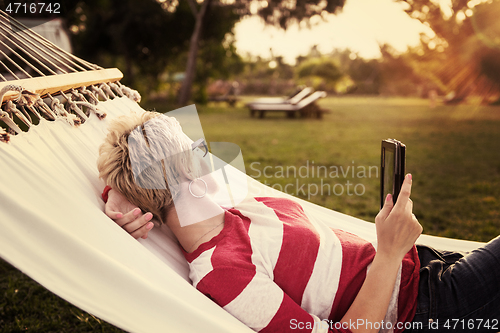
x,y
51,214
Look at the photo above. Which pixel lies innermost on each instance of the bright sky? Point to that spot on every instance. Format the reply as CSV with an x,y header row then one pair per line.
x,y
361,26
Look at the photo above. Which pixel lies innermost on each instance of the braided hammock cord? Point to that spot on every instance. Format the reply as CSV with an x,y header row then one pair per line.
x,y
24,55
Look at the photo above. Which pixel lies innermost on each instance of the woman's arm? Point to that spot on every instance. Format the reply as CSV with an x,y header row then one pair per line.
x,y
133,221
397,231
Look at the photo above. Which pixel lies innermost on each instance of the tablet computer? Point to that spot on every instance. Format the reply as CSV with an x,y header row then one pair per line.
x,y
392,173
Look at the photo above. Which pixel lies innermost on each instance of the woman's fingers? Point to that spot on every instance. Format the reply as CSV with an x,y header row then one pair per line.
x,y
404,194
142,232
403,202
134,222
386,209
113,214
112,211
139,226
129,217
397,227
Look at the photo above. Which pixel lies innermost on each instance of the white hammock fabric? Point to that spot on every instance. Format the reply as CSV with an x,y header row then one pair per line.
x,y
54,230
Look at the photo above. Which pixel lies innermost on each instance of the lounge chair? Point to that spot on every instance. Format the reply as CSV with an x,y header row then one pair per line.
x,y
305,107
294,98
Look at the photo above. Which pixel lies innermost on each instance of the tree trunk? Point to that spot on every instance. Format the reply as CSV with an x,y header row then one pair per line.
x,y
128,71
187,83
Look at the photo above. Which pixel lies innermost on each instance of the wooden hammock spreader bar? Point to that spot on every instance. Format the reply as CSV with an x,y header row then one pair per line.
x,y
52,84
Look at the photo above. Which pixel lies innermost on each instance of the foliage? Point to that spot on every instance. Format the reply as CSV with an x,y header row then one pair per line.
x,y
398,77
134,35
463,56
149,41
266,77
282,13
322,72
217,56
343,71
323,68
361,76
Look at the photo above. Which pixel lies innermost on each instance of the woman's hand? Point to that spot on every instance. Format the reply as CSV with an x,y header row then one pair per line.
x,y
397,227
133,221
397,231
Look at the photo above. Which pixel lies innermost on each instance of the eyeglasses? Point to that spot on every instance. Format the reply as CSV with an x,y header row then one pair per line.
x,y
201,145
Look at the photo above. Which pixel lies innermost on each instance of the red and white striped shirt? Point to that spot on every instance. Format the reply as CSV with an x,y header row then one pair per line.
x,y
276,270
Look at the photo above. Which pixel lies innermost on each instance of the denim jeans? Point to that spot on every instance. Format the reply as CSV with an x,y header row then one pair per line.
x,y
459,292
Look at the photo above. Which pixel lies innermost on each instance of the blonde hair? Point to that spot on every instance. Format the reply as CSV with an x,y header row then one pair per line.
x,y
132,160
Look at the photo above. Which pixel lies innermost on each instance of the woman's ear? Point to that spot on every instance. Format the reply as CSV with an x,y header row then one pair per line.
x,y
191,171
186,174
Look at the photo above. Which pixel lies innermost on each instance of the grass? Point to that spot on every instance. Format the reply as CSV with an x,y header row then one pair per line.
x,y
452,151
26,306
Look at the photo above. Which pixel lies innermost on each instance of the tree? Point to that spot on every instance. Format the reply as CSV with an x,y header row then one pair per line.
x,y
463,57
280,13
148,39
361,76
199,14
322,72
397,73
135,35
215,43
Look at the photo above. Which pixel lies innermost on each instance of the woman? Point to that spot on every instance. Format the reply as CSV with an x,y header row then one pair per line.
x,y
276,270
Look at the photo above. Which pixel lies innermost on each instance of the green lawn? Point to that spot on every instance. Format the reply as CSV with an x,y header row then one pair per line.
x,y
452,151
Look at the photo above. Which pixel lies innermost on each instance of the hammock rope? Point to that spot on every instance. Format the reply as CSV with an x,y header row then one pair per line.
x,y
61,112
130,93
72,106
99,92
26,55
93,98
9,70
61,58
107,89
20,37
46,110
12,109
